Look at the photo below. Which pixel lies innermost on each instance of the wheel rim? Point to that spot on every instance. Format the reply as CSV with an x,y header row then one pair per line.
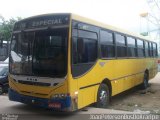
x,y
103,97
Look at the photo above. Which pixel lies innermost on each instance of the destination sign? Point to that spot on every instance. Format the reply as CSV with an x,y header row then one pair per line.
x,y
46,22
42,21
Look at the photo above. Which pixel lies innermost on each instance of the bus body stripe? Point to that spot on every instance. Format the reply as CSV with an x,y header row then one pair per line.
x,y
89,86
112,80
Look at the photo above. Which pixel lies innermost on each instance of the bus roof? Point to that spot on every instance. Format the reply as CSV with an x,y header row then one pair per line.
x,y
93,22
109,27
42,15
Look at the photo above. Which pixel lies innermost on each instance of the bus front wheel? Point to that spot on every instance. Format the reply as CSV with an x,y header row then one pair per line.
x,y
103,96
145,81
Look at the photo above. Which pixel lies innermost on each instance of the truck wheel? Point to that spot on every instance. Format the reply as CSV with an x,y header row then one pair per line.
x,y
103,96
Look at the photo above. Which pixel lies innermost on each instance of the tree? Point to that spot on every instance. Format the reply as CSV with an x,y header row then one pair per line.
x,y
6,27
154,18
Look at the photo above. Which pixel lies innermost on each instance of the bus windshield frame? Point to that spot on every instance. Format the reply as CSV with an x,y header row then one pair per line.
x,y
40,52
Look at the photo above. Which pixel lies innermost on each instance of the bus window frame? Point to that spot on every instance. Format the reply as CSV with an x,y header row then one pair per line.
x,y
142,48
124,45
77,37
146,49
114,45
88,65
129,46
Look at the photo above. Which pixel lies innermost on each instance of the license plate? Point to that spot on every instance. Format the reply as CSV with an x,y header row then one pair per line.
x,y
54,105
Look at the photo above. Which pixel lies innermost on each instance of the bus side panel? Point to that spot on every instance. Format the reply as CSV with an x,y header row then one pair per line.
x,y
154,69
132,73
117,85
123,74
129,82
86,96
88,84
139,78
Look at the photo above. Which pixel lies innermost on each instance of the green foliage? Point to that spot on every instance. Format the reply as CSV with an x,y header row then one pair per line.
x,y
6,27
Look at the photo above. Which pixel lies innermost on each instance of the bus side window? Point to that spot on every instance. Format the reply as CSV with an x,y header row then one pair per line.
x,y
140,48
121,45
146,49
131,44
81,46
154,50
80,50
84,48
150,49
107,44
74,50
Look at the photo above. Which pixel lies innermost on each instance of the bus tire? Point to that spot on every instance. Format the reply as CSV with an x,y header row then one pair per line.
x,y
103,96
144,85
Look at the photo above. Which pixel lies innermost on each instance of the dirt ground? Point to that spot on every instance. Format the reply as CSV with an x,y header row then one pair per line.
x,y
139,100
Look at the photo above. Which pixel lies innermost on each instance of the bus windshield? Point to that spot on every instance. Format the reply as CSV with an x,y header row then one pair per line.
x,y
40,53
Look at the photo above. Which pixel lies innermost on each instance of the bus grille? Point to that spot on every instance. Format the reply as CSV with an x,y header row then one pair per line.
x,y
34,83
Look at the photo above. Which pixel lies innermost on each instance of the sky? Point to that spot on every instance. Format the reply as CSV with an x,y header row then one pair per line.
x,y
120,13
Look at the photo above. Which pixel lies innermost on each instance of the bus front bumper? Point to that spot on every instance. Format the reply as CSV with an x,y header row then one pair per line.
x,y
54,104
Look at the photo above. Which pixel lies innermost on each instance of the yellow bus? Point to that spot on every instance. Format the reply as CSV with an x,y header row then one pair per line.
x,y
66,62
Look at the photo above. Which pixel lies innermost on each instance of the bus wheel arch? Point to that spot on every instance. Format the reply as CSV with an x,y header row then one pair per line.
x,y
145,84
108,83
103,94
147,72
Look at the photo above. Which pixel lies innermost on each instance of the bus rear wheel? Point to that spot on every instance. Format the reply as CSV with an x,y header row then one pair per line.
x,y
144,85
103,96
